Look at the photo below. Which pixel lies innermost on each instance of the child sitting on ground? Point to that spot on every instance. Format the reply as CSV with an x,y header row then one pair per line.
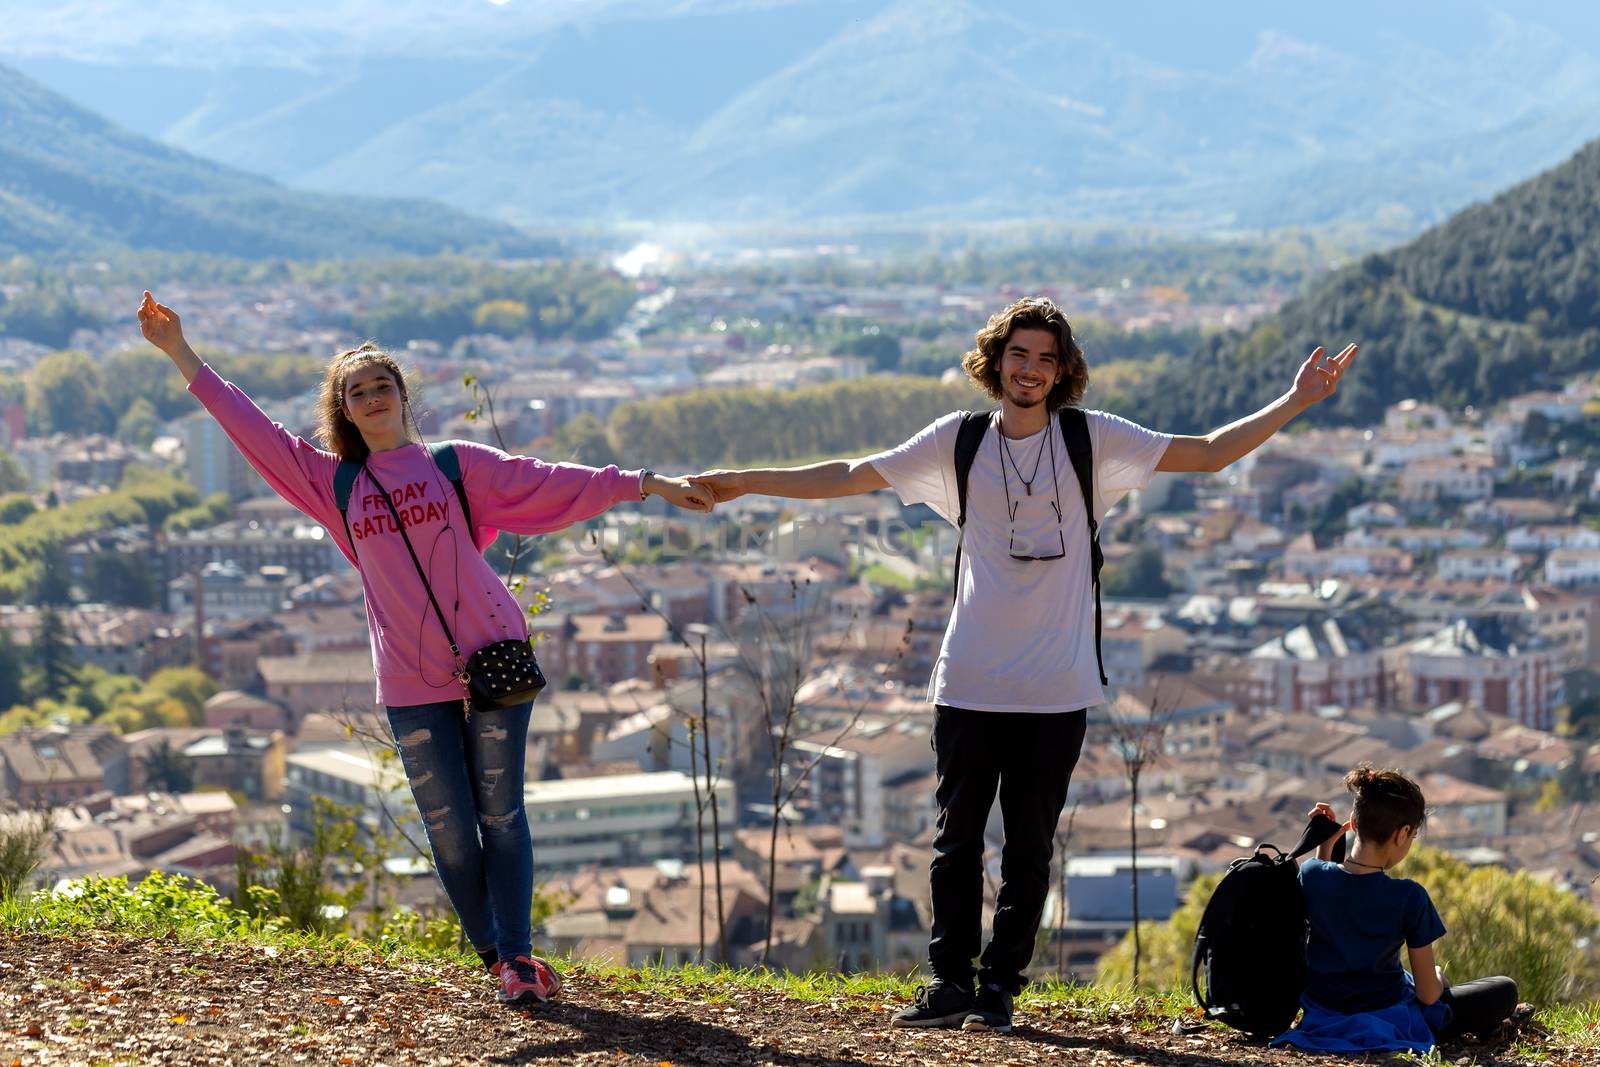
x,y
1357,996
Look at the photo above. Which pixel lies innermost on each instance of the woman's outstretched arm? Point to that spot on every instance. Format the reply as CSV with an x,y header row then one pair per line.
x,y
295,469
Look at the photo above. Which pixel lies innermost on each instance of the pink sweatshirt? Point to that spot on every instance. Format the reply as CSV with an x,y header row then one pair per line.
x,y
410,654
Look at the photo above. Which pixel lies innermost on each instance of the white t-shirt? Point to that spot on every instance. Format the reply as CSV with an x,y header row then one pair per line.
x,y
1021,635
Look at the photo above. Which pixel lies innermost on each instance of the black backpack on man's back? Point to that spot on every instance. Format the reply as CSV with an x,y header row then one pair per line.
x,y
1080,452
1251,944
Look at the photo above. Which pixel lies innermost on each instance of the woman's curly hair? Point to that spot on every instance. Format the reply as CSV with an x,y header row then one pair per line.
x,y
335,431
982,364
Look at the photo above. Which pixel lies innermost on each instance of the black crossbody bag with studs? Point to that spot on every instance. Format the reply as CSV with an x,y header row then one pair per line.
x,y
500,675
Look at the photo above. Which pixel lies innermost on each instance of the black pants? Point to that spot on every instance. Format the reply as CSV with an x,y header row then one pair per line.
x,y
1029,758
1478,1007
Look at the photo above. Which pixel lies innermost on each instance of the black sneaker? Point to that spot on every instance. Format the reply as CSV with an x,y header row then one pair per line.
x,y
939,1003
991,1011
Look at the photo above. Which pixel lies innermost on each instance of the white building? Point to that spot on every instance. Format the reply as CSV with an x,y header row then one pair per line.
x,y
1572,566
1397,449
1566,474
1302,559
619,820
853,773
1416,538
1479,564
214,464
349,777
1447,478
227,592
657,738
1543,538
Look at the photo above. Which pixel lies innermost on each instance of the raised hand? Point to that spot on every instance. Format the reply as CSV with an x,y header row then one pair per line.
x,y
160,325
1316,379
723,485
1324,810
681,492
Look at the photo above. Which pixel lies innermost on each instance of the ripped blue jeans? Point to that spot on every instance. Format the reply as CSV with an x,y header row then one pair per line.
x,y
466,776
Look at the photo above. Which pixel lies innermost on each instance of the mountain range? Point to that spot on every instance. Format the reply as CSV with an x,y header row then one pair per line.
x,y
1240,115
71,180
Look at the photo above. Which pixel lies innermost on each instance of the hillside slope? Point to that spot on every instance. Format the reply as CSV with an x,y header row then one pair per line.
x,y
104,998
1502,298
73,181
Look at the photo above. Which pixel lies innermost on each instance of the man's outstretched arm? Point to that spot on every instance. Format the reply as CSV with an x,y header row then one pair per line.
x,y
839,477
1315,381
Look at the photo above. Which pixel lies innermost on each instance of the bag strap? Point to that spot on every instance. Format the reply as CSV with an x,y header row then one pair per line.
x,y
974,424
1318,830
401,526
1080,450
449,464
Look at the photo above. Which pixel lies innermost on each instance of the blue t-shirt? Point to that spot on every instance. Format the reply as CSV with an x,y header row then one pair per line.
x,y
1358,923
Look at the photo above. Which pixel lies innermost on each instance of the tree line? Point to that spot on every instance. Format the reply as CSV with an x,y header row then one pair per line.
x,y
548,301
30,547
741,427
130,393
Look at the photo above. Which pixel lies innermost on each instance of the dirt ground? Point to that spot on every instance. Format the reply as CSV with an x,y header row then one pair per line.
x,y
111,1000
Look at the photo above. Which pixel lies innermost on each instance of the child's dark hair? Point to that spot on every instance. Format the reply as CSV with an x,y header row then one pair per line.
x,y
1385,801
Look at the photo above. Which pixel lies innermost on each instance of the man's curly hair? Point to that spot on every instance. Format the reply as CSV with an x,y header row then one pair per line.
x,y
982,364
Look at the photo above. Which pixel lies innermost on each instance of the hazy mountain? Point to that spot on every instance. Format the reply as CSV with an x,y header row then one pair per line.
x,y
69,179
1253,113
1503,298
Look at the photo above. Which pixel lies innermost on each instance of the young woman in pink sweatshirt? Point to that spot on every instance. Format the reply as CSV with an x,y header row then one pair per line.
x,y
465,773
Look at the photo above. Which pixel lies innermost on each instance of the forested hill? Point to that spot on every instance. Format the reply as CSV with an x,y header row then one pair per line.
x,y
1502,298
72,181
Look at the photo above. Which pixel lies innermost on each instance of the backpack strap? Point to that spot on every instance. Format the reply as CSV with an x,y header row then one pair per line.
x,y
344,482
974,424
445,458
1318,830
1080,450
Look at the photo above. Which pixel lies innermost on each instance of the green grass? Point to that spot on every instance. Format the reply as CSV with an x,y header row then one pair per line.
x,y
194,916
876,992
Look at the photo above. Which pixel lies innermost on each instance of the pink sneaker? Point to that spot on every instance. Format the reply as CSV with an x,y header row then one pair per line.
x,y
526,977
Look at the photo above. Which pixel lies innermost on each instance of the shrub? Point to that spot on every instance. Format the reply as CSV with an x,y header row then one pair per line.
x,y
24,843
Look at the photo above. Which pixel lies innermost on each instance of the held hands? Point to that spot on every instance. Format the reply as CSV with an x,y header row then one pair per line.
x,y
722,485
680,492
160,325
1318,377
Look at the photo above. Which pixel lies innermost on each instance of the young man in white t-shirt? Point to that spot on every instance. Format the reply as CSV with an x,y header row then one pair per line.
x,y
1018,668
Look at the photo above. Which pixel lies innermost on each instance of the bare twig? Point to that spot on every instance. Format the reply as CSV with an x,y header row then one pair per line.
x,y
697,762
1063,839
778,691
1139,742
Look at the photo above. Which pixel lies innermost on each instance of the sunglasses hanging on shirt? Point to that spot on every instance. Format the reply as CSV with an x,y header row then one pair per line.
x,y
1027,483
